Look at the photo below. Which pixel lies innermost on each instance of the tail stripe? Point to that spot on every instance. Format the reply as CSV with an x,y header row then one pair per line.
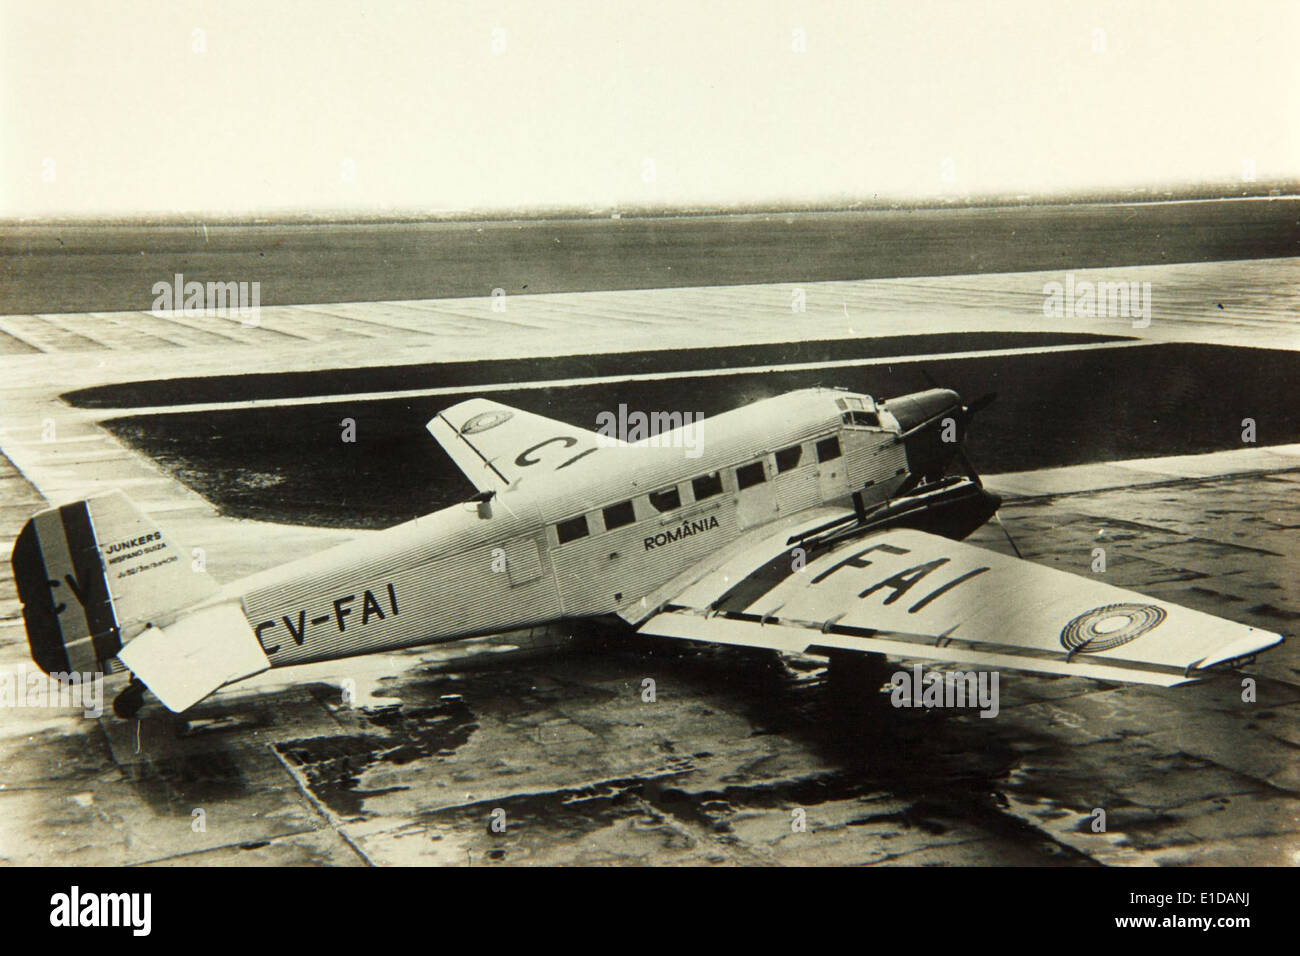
x,y
40,610
64,585
88,566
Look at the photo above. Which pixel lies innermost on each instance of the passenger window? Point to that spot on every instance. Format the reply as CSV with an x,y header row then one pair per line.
x,y
571,530
706,486
666,500
828,449
616,516
749,475
788,458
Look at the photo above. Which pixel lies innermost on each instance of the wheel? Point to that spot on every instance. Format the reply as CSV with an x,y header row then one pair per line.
x,y
128,703
855,680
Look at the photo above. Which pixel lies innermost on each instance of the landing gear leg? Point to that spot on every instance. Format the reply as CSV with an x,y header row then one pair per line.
x,y
854,680
128,703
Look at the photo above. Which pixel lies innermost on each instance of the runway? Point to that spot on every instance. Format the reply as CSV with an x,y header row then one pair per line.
x,y
549,726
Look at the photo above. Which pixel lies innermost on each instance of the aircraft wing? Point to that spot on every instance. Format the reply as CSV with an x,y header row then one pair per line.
x,y
496,445
906,593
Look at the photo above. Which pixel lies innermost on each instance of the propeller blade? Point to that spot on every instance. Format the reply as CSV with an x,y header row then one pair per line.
x,y
984,401
1010,540
946,413
971,473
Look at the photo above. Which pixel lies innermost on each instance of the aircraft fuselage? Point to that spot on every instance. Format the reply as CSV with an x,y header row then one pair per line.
x,y
582,542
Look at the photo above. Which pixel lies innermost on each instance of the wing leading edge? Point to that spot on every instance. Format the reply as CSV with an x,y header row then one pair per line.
x,y
910,594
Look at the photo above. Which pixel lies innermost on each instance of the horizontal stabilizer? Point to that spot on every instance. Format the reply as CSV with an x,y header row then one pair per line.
x,y
190,658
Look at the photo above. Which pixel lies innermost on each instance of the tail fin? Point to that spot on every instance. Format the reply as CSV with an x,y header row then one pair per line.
x,y
91,575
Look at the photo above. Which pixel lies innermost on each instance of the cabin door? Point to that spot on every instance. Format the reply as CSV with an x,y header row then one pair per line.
x,y
755,494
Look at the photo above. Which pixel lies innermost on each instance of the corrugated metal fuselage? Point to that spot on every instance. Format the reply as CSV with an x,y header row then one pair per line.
x,y
455,574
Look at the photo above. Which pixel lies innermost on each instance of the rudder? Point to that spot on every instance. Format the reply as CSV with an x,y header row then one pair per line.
x,y
91,574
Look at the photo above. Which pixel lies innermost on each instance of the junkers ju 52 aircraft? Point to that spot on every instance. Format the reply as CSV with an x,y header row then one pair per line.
x,y
818,521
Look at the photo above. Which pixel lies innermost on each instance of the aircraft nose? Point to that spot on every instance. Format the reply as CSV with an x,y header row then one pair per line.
x,y
919,407
921,417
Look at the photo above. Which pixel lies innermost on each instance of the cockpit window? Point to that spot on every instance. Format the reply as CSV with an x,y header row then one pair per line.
x,y
855,403
866,419
860,418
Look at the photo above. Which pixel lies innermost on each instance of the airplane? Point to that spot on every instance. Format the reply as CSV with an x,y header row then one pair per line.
x,y
819,521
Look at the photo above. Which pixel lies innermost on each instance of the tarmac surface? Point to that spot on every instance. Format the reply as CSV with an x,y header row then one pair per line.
x,y
410,757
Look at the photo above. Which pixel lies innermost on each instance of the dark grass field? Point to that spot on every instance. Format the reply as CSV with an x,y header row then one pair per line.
x,y
288,464
82,268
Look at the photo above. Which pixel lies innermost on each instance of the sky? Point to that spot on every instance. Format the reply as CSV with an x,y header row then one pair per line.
x,y
235,106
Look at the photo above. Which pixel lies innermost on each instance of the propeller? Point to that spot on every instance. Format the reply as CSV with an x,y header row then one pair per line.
x,y
968,411
922,426
969,467
984,401
979,403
